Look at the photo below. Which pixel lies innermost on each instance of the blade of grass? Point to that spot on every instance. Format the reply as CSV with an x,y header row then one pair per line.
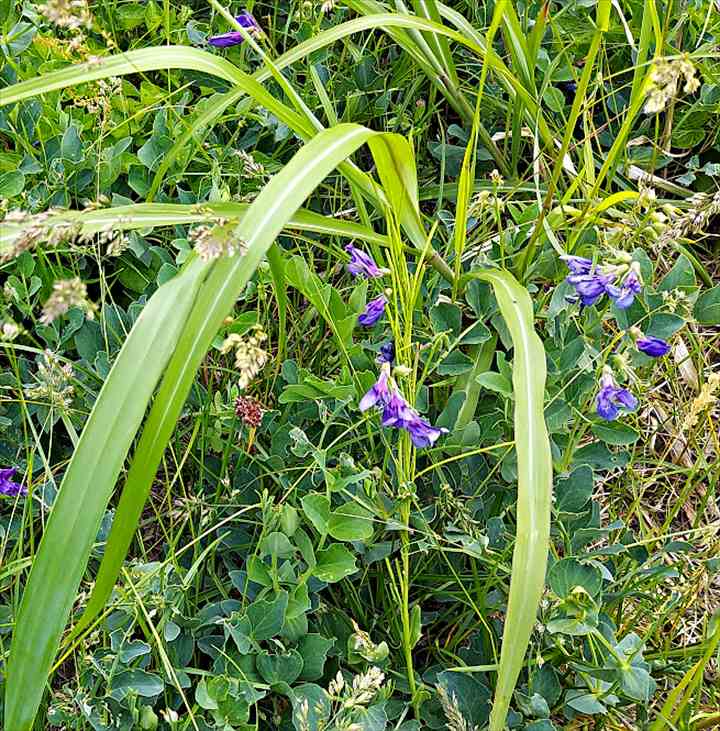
x,y
649,31
534,486
277,272
146,215
441,48
681,695
467,172
86,487
602,21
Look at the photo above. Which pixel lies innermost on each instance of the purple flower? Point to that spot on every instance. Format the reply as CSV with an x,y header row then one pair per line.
x,y
387,352
397,411
624,295
235,37
401,415
577,264
648,344
362,264
7,486
373,311
590,287
379,391
423,433
611,398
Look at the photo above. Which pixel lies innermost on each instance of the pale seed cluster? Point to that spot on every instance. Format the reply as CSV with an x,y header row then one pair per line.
x,y
66,293
455,511
250,356
9,331
485,201
666,77
53,383
100,100
706,399
703,207
364,688
35,229
455,719
70,14
251,168
212,242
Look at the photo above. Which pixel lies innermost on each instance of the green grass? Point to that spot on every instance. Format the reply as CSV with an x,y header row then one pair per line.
x,y
174,567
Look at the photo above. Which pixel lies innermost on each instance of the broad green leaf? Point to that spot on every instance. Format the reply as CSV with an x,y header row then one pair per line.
x,y
616,433
334,563
568,573
317,510
147,685
494,382
314,649
707,307
284,668
267,617
11,184
350,522
277,545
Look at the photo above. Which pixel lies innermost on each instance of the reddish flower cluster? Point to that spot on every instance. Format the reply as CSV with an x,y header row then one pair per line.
x,y
249,410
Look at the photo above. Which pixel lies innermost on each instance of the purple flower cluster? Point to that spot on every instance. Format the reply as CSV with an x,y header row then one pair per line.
x,y
620,282
397,412
235,37
384,394
611,398
7,486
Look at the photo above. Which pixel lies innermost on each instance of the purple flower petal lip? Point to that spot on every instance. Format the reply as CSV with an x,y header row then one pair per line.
x,y
652,346
423,433
226,40
362,264
611,398
626,399
577,264
605,406
7,486
590,287
378,393
235,37
624,295
373,311
387,352
397,412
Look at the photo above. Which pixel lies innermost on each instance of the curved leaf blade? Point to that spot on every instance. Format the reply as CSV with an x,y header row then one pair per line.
x,y
534,485
85,490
